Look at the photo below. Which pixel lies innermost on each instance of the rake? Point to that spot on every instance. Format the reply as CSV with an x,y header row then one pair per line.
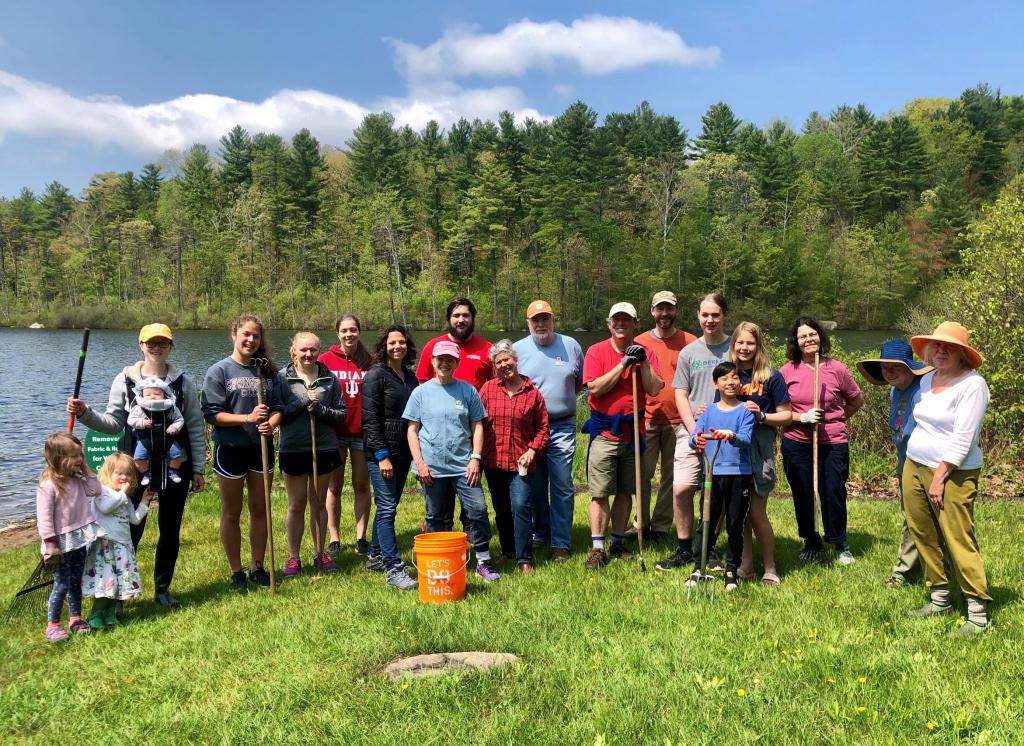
x,y
702,585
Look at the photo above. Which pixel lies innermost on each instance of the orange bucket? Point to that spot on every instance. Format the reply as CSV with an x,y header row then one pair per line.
x,y
440,561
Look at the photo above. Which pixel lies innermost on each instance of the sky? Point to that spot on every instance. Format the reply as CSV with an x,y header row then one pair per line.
x,y
110,85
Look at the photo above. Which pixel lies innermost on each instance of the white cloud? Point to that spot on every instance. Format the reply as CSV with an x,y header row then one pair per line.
x,y
597,44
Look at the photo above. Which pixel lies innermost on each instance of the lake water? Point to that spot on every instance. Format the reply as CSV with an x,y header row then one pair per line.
x,y
37,374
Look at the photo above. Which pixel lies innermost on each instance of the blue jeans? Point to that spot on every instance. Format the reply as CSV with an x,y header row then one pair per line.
x,y
511,496
386,494
174,451
440,497
554,472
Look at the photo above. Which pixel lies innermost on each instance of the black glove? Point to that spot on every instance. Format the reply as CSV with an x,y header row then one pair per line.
x,y
638,353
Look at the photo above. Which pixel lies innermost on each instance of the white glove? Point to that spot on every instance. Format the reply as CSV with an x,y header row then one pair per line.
x,y
812,416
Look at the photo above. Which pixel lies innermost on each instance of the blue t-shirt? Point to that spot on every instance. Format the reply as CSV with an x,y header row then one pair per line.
x,y
733,458
555,370
445,413
901,418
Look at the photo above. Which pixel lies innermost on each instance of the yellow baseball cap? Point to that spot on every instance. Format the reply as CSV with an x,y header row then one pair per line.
x,y
538,306
152,331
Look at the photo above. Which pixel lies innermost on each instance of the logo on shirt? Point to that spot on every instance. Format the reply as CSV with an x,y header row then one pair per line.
x,y
458,403
558,360
474,357
350,381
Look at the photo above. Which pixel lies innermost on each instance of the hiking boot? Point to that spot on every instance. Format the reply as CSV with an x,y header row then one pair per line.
x,y
334,550
677,559
596,559
731,579
714,561
970,628
238,581
485,571
165,599
363,547
526,568
324,563
895,581
559,554
930,609
259,576
619,550
398,579
374,564
292,567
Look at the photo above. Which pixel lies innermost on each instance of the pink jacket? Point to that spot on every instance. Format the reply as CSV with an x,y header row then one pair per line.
x,y
60,514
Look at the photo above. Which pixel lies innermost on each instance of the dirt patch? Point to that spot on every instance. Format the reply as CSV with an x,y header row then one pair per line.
x,y
18,535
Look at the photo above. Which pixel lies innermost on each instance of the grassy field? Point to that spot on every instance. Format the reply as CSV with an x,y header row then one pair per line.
x,y
610,657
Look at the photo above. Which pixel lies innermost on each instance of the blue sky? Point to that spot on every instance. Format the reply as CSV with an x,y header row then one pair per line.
x,y
89,86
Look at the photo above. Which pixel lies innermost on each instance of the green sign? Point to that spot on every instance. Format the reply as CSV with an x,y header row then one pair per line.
x,y
98,446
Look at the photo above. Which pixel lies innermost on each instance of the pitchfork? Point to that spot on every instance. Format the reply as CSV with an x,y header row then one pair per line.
x,y
701,585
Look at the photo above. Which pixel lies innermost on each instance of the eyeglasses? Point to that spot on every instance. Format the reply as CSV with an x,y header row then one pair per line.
x,y
156,344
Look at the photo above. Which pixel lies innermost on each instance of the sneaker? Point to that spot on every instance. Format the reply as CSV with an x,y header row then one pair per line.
x,y
559,554
324,563
398,579
363,547
79,626
596,559
374,563
693,580
619,550
714,561
55,633
484,570
677,559
165,599
145,480
292,567
238,581
732,581
259,576
930,609
970,628
526,568
173,475
846,557
334,550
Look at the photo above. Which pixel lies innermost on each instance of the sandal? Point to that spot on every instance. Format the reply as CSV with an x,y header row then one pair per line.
x,y
750,575
55,633
79,627
770,578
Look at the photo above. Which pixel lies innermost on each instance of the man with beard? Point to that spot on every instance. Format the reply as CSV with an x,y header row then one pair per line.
x,y
554,363
474,364
610,464
662,417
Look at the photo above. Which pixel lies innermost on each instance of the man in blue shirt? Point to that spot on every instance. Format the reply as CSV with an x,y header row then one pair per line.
x,y
895,367
554,363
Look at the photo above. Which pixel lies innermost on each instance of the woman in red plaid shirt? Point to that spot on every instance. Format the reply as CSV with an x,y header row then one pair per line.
x,y
515,434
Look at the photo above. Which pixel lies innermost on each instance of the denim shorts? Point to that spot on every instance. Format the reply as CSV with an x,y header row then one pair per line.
x,y
350,444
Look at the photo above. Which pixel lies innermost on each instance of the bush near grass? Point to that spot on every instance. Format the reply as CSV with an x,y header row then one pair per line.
x,y
615,657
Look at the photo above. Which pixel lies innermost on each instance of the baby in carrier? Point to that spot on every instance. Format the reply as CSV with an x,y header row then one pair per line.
x,y
154,403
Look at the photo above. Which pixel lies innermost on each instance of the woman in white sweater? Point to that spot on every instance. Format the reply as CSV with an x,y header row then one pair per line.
x,y
940,476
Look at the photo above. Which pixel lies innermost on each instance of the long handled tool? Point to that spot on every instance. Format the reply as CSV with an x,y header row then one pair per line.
x,y
701,584
814,449
636,473
314,503
265,452
29,596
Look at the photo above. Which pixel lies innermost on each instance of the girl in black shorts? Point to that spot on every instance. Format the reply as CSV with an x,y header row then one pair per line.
x,y
230,406
312,394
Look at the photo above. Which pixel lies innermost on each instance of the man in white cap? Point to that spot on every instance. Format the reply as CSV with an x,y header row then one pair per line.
x,y
662,421
610,465
554,363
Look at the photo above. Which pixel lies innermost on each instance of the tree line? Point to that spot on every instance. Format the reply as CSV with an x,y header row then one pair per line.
x,y
852,218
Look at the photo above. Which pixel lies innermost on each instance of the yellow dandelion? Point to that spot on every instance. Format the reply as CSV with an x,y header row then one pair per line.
x,y
404,685
861,679
931,725
862,709
741,692
561,669
830,680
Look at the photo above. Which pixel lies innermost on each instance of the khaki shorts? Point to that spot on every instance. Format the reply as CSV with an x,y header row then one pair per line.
x,y
610,468
686,466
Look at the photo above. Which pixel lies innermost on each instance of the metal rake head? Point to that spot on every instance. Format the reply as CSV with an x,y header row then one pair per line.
x,y
701,587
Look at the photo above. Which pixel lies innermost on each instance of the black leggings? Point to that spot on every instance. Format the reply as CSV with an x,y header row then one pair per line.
x,y
731,493
67,583
169,515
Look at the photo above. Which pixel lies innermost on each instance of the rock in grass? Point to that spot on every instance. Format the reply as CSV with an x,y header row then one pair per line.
x,y
435,664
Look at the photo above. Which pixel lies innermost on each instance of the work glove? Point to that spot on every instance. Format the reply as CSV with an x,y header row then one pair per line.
x,y
727,435
637,352
699,440
812,416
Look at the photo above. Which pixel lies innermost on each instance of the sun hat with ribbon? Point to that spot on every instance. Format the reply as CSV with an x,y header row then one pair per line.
x,y
952,333
893,351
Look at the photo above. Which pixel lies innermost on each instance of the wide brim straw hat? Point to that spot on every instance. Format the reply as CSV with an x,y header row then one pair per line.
x,y
952,333
893,351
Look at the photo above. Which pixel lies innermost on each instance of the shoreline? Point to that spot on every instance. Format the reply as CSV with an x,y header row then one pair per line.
x,y
18,534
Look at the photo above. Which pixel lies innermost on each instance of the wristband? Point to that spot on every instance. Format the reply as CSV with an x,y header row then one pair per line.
x,y
475,456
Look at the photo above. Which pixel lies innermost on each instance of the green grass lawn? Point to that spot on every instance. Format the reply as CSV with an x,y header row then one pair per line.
x,y
609,657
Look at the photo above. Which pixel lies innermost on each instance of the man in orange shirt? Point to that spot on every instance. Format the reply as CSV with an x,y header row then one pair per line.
x,y
662,418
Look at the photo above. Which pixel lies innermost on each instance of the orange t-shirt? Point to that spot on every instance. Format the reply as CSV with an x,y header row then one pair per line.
x,y
661,409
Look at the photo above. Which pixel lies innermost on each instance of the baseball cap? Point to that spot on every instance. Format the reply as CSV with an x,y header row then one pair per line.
x,y
446,347
623,308
538,306
151,331
665,296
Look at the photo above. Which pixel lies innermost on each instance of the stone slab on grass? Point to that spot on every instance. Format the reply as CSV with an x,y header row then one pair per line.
x,y
435,664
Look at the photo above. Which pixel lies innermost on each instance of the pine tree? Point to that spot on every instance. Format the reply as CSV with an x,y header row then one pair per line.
x,y
236,155
719,129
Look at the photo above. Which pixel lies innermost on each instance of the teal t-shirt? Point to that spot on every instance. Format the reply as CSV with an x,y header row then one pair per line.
x,y
445,413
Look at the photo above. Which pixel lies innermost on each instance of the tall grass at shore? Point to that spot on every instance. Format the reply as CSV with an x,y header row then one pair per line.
x,y
616,656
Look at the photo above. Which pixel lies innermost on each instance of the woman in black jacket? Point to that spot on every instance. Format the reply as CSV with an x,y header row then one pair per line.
x,y
386,389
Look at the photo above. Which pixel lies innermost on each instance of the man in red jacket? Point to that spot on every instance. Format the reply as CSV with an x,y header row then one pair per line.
x,y
474,364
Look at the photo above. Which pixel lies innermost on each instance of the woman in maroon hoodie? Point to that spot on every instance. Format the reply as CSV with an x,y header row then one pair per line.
x,y
349,361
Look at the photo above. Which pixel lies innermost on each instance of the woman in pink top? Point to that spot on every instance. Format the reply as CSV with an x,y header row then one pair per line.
x,y
839,399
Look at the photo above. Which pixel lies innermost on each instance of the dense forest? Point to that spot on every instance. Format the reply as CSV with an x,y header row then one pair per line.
x,y
853,218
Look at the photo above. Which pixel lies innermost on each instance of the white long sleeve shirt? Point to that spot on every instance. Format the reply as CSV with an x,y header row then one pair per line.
x,y
114,512
949,423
